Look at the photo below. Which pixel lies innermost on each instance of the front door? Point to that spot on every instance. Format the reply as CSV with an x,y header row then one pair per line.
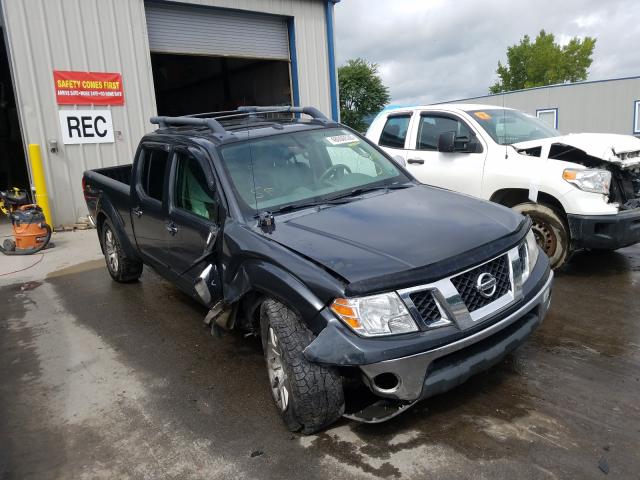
x,y
460,170
148,212
193,220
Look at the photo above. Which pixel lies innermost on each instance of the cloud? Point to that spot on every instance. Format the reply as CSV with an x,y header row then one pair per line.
x,y
431,51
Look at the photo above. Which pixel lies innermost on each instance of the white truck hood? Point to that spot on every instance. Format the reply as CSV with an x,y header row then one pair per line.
x,y
623,150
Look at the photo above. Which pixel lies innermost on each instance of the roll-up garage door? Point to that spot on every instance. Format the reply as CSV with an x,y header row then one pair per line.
x,y
187,29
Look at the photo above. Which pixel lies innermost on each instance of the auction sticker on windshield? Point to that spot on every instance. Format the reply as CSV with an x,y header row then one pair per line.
x,y
342,139
483,115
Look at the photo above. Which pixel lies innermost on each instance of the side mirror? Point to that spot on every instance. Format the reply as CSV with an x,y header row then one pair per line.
x,y
399,159
447,142
474,146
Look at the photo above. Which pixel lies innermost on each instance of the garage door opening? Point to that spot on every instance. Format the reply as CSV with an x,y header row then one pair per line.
x,y
13,166
186,84
207,59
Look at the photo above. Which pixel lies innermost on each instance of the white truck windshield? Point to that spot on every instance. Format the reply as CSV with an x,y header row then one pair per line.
x,y
511,126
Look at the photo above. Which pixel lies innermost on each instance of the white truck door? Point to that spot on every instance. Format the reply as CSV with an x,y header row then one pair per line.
x,y
393,137
460,170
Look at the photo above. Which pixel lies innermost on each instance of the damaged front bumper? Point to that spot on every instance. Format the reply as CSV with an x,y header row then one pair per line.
x,y
401,371
605,232
435,371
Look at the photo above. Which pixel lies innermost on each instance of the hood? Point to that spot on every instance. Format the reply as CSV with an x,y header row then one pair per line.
x,y
623,150
387,233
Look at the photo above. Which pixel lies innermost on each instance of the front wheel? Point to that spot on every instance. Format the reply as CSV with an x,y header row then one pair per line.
x,y
550,230
308,396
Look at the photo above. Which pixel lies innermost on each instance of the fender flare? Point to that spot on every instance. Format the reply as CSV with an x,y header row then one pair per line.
x,y
109,211
552,199
258,275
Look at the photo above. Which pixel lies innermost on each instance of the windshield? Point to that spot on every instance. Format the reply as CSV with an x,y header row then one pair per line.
x,y
511,126
296,168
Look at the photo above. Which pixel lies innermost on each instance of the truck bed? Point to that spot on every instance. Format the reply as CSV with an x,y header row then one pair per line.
x,y
110,184
121,173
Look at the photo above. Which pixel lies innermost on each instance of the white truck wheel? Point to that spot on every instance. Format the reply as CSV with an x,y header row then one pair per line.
x,y
550,230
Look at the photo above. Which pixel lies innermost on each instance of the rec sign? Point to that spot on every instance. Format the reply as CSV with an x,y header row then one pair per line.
x,y
86,126
88,88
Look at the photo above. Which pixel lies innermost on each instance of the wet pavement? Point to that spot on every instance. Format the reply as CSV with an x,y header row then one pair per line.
x,y
102,380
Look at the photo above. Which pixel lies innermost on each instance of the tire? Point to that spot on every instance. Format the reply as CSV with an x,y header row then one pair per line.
x,y
550,230
122,268
308,396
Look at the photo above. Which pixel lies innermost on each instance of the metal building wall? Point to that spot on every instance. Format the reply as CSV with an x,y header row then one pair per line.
x,y
600,106
111,36
104,36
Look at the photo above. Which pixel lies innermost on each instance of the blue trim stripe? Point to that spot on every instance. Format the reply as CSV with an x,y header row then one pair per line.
x,y
293,56
333,82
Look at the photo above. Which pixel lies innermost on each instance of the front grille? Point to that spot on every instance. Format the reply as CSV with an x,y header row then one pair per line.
x,y
426,306
465,283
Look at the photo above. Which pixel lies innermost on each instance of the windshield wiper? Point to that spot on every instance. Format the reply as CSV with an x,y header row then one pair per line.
x,y
316,203
371,188
338,200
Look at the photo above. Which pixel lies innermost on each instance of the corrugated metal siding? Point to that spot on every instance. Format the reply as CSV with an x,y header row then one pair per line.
x,y
605,107
214,31
111,35
87,36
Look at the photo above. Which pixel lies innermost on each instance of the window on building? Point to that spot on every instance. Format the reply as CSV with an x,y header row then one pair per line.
x,y
395,131
153,171
191,192
636,117
549,116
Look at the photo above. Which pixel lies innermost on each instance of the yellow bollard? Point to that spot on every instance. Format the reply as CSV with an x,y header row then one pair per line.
x,y
37,172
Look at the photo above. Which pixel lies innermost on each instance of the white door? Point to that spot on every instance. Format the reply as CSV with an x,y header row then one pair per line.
x,y
460,170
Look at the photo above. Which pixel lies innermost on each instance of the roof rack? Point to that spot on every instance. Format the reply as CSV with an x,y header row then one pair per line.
x,y
313,112
211,119
211,123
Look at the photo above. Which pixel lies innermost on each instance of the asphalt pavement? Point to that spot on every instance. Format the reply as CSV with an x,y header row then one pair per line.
x,y
103,380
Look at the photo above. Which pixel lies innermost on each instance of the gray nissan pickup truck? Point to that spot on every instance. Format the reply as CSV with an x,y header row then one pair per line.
x,y
306,234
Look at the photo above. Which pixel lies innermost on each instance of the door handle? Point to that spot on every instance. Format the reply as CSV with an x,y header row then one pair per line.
x,y
415,161
171,228
137,212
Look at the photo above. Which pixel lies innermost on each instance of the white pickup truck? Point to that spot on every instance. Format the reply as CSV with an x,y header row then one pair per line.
x,y
580,190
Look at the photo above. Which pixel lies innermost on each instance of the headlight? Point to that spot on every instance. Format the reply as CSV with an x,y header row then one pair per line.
x,y
589,180
383,314
528,255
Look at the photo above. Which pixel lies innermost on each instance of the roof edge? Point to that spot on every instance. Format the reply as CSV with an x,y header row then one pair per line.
x,y
555,85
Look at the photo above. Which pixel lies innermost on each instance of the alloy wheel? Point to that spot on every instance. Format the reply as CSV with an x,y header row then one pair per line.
x,y
111,250
277,375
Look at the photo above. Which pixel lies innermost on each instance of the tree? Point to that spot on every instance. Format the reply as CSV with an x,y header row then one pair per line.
x,y
544,62
361,92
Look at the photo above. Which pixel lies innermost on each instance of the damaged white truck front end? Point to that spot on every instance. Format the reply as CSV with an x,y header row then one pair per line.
x,y
603,209
580,190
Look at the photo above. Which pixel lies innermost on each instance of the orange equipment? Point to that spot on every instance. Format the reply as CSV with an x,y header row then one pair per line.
x,y
30,231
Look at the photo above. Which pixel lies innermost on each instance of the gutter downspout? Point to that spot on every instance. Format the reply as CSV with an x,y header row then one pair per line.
x,y
333,80
293,56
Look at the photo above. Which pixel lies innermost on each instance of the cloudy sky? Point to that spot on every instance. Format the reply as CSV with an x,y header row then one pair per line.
x,y
437,50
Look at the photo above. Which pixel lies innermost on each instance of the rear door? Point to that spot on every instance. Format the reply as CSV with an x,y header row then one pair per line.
x,y
194,217
149,205
460,170
393,138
